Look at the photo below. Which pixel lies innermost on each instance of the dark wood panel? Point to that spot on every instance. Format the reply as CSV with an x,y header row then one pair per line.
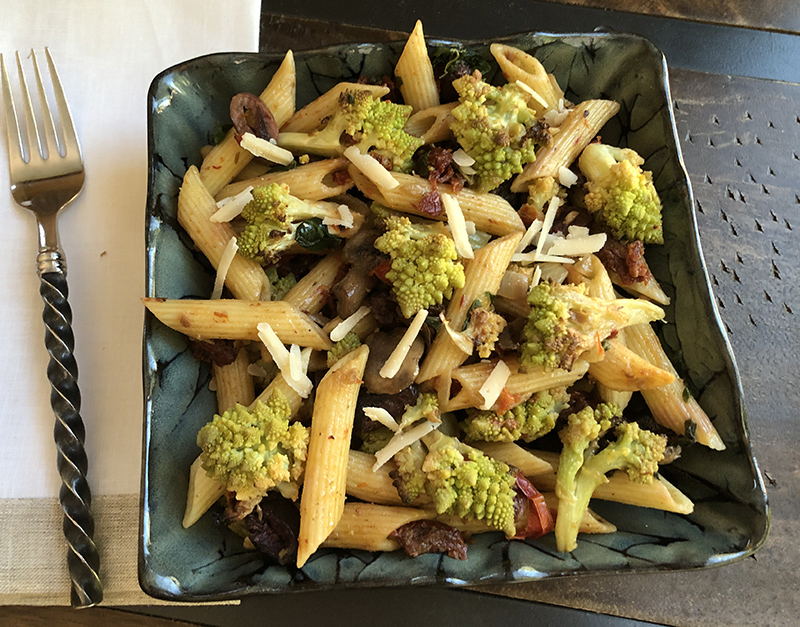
x,y
777,15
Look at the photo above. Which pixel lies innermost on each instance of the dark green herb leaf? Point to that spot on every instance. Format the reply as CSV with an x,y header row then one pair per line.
x,y
690,430
314,236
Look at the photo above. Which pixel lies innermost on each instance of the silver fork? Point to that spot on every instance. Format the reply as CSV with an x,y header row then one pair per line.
x,y
46,175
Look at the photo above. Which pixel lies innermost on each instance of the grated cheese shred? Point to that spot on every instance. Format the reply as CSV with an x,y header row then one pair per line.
x,y
300,384
229,208
370,168
494,384
348,324
224,265
267,150
392,365
458,226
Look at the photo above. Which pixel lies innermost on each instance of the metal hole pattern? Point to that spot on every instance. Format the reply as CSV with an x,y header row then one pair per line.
x,y
741,144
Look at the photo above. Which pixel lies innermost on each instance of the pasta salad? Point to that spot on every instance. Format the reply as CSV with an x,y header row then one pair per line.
x,y
416,329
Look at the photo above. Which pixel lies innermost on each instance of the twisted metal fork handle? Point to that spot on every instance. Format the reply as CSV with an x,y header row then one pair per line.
x,y
69,433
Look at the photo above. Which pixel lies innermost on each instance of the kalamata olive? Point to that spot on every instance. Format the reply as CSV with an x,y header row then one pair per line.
x,y
249,114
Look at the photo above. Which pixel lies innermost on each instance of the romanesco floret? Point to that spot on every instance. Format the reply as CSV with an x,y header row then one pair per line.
x,y
253,451
361,120
464,482
492,125
347,344
527,421
581,470
484,329
271,219
427,407
621,194
408,478
541,191
564,322
279,285
424,266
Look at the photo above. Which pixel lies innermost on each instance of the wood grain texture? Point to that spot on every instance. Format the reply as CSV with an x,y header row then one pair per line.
x,y
21,616
774,15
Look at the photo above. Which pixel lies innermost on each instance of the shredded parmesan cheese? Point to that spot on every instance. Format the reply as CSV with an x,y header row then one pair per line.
x,y
462,158
494,384
458,226
534,258
370,168
295,362
224,265
567,177
549,218
537,276
526,240
532,93
578,246
347,325
229,208
267,150
300,384
345,219
392,365
382,416
401,440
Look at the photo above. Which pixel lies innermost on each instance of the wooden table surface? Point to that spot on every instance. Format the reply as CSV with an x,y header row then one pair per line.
x,y
741,141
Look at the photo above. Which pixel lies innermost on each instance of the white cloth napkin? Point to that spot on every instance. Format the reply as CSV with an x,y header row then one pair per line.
x,y
107,52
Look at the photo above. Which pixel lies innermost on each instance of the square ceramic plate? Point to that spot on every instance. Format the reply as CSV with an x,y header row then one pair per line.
x,y
206,562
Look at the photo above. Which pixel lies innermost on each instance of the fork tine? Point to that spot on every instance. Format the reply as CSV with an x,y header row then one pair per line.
x,y
14,137
50,139
30,120
67,127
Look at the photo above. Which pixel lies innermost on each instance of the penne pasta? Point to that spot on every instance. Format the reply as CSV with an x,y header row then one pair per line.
x,y
245,278
322,501
514,455
623,370
432,124
576,131
227,159
367,526
364,484
517,65
234,384
483,275
313,181
237,320
310,117
520,385
671,405
489,212
311,292
203,493
415,73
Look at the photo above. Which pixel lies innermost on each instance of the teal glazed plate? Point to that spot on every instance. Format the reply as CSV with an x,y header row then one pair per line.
x,y
207,562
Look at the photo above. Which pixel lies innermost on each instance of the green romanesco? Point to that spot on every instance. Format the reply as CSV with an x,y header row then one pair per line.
x,y
362,120
527,421
564,323
621,194
484,329
424,263
493,125
279,285
272,218
582,468
427,407
347,344
253,451
463,481
408,478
